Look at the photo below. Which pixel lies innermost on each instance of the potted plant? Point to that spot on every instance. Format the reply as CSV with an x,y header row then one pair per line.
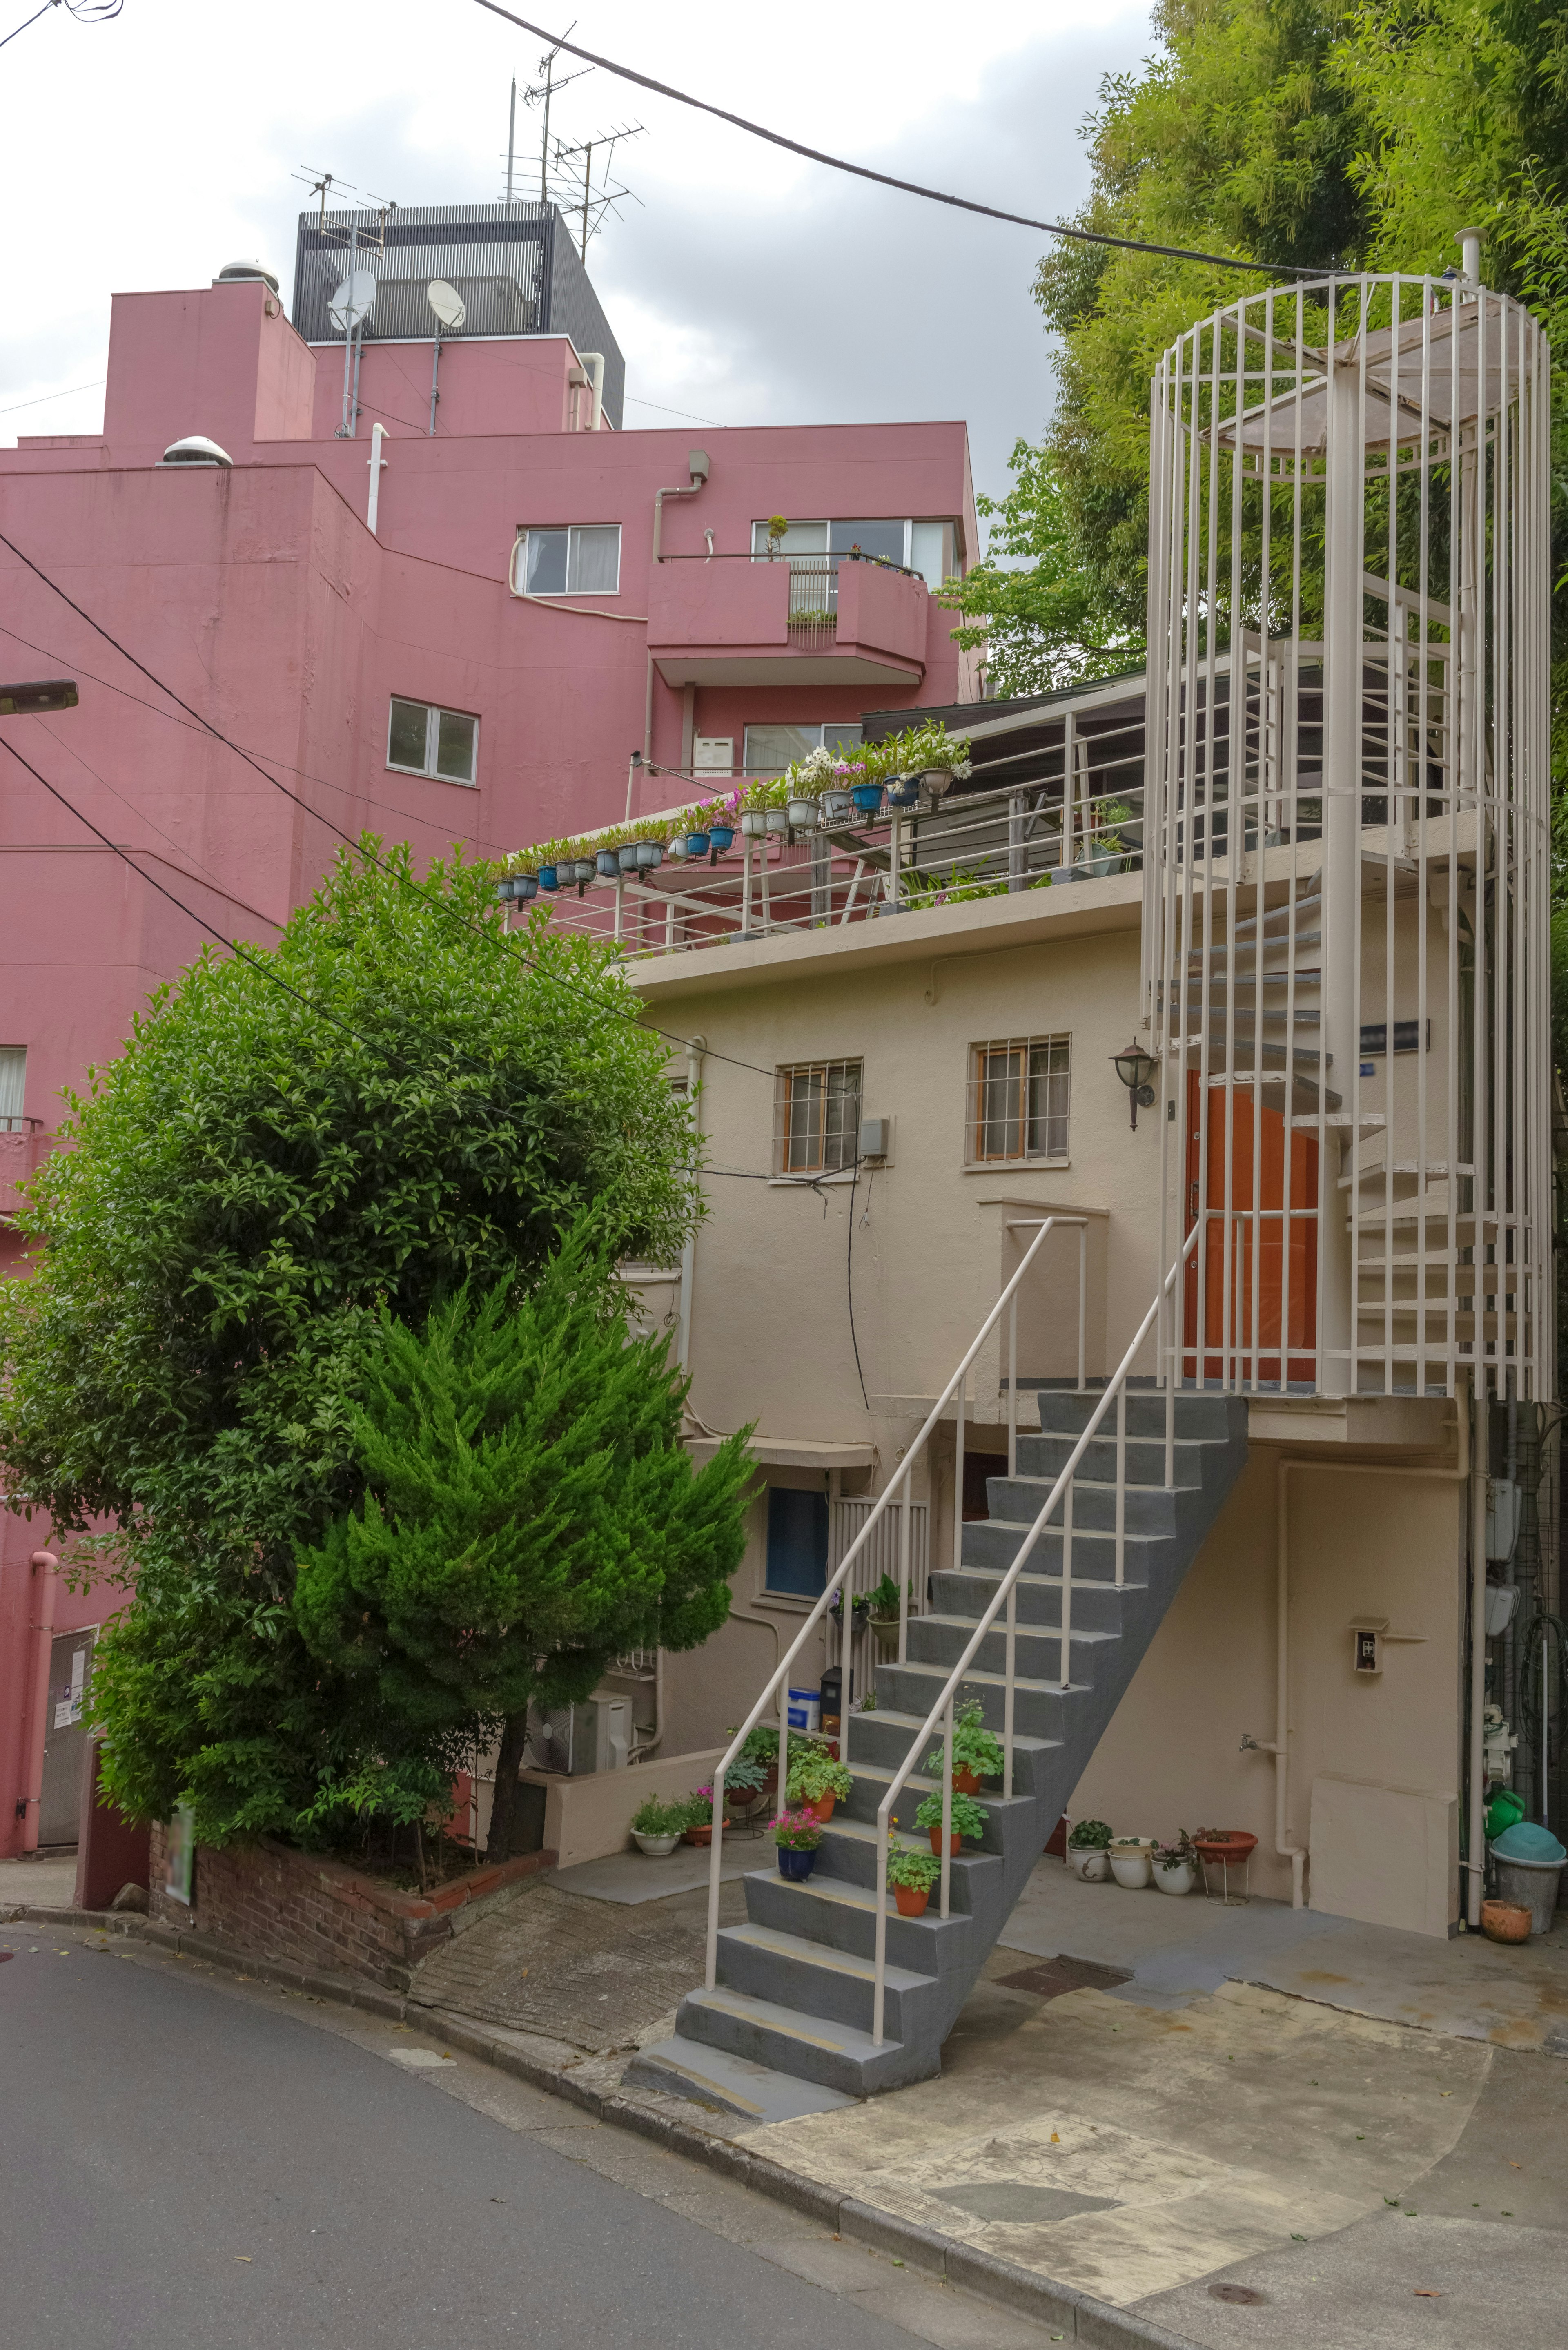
x,y
697,1812
1104,850
1175,1865
609,862
911,1876
818,1782
969,1819
977,1751
882,1606
1088,1851
696,844
838,799
797,1836
656,1828
903,791
549,877
1132,1860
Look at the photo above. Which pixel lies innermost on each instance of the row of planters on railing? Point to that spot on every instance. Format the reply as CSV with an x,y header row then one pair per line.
x,y
816,792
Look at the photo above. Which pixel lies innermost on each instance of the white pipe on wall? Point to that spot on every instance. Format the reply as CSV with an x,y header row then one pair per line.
x,y
45,1583
376,462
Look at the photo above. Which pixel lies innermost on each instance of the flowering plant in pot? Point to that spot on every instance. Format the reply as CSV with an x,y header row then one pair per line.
x,y
911,1876
656,1828
969,1819
1088,1851
818,1783
698,1809
797,1836
1175,1865
977,1751
838,798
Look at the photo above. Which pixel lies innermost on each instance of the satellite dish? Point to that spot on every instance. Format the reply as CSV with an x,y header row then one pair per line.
x,y
351,304
447,303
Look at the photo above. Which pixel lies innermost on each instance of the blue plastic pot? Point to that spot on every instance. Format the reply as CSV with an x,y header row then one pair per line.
x,y
797,1866
904,791
696,844
548,877
722,835
867,798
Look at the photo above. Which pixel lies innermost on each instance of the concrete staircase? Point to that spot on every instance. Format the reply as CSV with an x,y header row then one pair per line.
x,y
795,1988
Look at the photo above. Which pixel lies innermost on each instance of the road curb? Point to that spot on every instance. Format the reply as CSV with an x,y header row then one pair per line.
x,y
1074,2316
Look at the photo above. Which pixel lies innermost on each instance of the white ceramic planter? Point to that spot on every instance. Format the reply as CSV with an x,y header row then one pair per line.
x,y
656,1847
1132,1861
1091,1862
1176,1880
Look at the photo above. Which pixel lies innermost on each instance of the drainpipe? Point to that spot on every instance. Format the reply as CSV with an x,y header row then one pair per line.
x,y
698,467
696,1046
1476,1840
45,1588
1279,1748
376,462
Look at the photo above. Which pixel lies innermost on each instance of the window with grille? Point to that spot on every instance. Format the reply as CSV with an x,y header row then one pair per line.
x,y
816,1117
1018,1099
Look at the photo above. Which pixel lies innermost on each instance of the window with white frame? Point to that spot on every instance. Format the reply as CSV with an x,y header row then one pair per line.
x,y
929,547
1017,1107
567,559
422,739
816,1117
769,750
13,1087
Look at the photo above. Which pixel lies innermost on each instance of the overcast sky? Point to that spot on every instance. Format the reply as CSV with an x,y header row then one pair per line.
x,y
745,288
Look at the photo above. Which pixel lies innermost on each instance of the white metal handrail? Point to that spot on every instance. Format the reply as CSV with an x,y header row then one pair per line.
x,y
898,1487
1007,1590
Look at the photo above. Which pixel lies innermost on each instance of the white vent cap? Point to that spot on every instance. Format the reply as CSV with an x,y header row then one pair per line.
x,y
195,449
236,273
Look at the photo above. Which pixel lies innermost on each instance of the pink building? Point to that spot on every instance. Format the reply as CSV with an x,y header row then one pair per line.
x,y
506,628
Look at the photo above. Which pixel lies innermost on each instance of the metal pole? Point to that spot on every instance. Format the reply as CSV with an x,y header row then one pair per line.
x,y
1121,1481
1013,1387
1083,1299
436,378
946,1806
348,336
511,145
1007,1693
904,1564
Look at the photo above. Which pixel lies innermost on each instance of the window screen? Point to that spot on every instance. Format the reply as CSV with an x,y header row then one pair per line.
x,y
797,1542
1018,1099
577,559
13,1086
816,1117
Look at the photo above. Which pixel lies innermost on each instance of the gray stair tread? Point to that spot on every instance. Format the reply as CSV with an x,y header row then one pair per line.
x,y
839,1890
822,1954
991,1681
713,2077
815,2030
1042,1577
1025,1632
1022,1741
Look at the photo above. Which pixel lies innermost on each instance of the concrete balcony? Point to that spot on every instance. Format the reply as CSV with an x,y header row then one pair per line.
x,y
734,621
22,1143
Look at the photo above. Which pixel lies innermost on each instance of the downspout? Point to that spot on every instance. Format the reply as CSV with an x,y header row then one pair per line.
x,y
698,466
376,464
45,1590
594,361
1285,1845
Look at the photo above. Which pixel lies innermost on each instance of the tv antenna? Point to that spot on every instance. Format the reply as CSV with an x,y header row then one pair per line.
x,y
541,93
592,206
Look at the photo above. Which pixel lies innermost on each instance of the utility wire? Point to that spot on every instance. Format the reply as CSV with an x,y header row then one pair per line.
x,y
886,179
502,940
29,20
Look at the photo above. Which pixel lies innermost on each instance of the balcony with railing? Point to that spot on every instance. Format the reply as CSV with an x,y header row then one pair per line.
x,y
23,1142
821,619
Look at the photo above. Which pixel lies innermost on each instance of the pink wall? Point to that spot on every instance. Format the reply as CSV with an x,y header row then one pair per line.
x,y
259,596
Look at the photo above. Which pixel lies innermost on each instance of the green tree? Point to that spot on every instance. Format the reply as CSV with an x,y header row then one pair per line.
x,y
390,1102
528,1512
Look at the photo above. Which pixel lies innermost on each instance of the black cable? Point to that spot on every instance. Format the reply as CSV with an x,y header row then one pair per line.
x,y
503,939
886,179
30,20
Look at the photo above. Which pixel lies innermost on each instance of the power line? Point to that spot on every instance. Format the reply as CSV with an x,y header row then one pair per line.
x,y
886,179
45,397
86,12
505,940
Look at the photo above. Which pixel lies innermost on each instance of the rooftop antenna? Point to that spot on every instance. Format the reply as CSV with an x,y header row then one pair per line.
x,y
348,309
610,195
545,90
511,153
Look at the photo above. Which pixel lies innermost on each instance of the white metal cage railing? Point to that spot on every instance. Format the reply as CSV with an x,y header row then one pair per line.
x,y
1346,932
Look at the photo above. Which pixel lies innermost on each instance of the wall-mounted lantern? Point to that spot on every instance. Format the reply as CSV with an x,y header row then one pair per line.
x,y
1135,1067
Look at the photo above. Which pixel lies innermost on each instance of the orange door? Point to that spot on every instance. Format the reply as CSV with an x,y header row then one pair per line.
x,y
1283,1245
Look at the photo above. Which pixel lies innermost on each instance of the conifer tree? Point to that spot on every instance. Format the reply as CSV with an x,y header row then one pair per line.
x,y
528,1513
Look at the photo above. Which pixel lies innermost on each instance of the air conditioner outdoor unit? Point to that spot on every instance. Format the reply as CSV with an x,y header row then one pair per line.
x,y
592,1736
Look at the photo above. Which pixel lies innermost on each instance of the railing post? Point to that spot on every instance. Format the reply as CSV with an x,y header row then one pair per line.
x,y
904,1564
745,884
946,1805
958,1484
1121,1480
1067,1579
783,1744
1007,1692
1013,1387
714,1865
620,905
1082,1300
879,1990
1170,1430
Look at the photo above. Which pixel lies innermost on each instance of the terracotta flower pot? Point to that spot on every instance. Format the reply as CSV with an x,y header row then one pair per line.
x,y
1505,1921
911,1899
1235,1844
955,1843
823,1807
966,1783
704,1835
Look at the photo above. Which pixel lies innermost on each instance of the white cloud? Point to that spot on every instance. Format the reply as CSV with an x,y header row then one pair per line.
x,y
749,286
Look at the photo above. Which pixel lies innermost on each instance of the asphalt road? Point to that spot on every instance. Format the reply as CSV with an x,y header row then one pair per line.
x,y
192,2167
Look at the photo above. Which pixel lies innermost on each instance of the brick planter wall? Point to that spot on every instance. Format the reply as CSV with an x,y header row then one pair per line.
x,y
277,1903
